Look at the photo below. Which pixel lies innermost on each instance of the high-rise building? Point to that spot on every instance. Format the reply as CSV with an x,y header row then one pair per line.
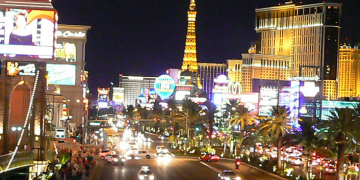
x,y
134,86
349,71
308,35
190,58
208,72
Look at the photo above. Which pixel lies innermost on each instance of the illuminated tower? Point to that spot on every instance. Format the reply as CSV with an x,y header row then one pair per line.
x,y
190,60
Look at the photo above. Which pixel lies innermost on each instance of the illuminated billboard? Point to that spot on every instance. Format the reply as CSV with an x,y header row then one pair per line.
x,y
20,68
61,74
103,94
65,51
118,95
164,86
27,33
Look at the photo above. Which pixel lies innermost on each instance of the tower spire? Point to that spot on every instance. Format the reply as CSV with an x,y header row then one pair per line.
x,y
190,57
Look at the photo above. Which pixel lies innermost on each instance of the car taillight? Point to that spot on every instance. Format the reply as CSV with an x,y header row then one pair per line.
x,y
326,169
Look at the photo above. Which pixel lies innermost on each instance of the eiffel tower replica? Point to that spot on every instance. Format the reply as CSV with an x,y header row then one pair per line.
x,y
190,59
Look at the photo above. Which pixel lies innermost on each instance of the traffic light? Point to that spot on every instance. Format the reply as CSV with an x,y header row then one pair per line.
x,y
207,136
197,128
171,128
185,138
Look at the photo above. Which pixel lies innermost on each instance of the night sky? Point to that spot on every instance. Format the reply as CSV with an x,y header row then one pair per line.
x,y
146,37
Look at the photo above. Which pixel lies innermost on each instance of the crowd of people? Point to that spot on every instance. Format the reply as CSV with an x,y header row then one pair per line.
x,y
77,167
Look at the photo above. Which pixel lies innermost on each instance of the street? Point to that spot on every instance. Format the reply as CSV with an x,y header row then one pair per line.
x,y
171,168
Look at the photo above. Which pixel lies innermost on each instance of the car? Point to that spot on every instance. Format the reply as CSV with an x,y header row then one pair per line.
x,y
104,153
115,159
161,154
161,148
330,170
297,161
146,175
228,175
161,137
141,153
210,157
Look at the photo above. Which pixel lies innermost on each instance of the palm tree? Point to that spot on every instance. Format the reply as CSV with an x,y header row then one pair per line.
x,y
231,107
253,139
307,139
276,127
242,117
190,112
341,128
210,111
357,115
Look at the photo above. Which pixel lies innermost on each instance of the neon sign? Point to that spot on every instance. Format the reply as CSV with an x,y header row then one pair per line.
x,y
315,78
309,89
66,34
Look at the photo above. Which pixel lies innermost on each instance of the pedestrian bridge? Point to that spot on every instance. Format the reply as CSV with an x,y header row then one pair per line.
x,y
21,159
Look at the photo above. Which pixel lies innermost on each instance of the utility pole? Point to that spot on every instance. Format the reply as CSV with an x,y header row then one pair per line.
x,y
186,129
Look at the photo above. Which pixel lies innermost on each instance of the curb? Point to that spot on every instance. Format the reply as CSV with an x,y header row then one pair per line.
x,y
272,174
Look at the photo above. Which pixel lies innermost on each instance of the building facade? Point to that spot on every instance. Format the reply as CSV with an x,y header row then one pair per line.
x,y
134,86
190,57
349,71
208,72
308,35
67,76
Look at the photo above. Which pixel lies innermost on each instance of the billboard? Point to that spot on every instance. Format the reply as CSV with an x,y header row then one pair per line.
x,y
27,33
61,74
20,68
118,95
164,86
103,94
65,51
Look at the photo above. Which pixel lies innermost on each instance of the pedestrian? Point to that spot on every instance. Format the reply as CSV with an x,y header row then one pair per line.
x,y
87,168
62,174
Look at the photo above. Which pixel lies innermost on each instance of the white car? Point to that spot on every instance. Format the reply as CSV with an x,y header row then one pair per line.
x,y
160,149
141,153
115,159
228,175
145,175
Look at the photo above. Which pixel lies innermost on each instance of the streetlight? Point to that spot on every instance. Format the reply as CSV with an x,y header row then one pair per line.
x,y
13,129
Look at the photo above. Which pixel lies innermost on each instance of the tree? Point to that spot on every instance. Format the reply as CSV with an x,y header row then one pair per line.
x,y
210,111
231,108
357,116
130,111
341,127
190,112
242,117
306,138
276,127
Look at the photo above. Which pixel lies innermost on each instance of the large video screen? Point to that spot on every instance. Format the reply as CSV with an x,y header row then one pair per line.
x,y
118,95
61,74
20,68
65,51
27,33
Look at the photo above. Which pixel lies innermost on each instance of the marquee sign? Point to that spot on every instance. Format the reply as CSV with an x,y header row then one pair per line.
x,y
234,88
70,34
315,78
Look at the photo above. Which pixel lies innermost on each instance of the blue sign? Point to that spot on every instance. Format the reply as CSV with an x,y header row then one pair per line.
x,y
164,86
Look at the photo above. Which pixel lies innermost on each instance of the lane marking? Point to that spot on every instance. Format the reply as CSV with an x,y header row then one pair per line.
x,y
212,168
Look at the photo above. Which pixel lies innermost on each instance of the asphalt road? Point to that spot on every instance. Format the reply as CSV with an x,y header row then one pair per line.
x,y
174,168
170,169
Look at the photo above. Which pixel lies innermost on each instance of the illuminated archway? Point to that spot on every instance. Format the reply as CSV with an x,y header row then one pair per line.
x,y
19,105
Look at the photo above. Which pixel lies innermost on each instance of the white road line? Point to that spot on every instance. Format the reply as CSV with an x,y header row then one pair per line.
x,y
212,168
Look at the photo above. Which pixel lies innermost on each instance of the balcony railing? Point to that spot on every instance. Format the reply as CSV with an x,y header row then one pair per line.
x,y
21,159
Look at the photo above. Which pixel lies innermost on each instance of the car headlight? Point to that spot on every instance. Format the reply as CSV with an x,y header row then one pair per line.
x,y
123,160
238,178
152,177
116,160
227,178
141,177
